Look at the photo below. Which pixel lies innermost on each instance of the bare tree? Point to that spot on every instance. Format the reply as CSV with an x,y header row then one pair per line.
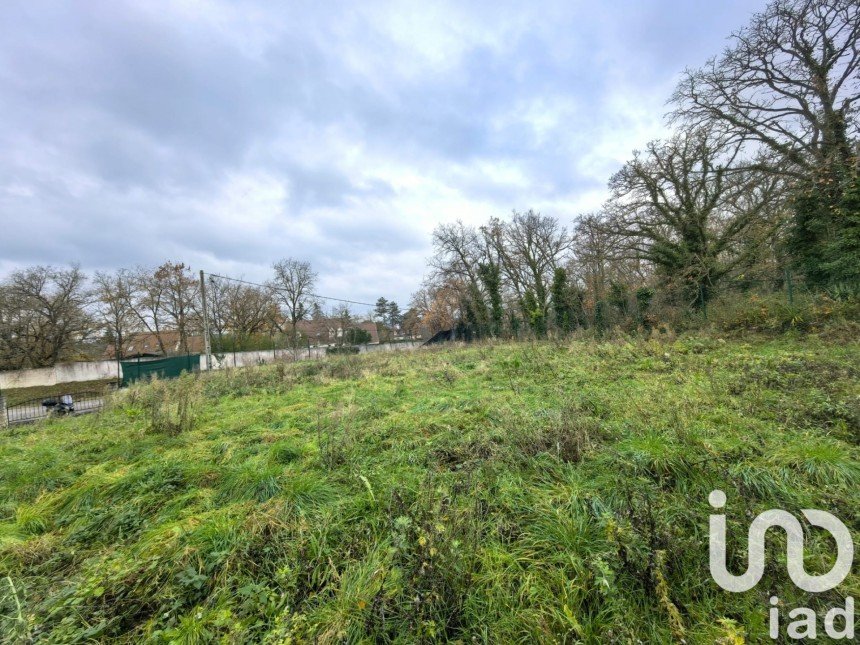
x,y
594,255
250,309
412,323
292,285
342,317
114,304
683,207
181,298
481,267
43,316
240,309
218,296
790,81
149,302
530,247
457,252
420,300
436,305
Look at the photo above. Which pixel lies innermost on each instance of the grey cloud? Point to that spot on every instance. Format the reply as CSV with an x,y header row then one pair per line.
x,y
124,124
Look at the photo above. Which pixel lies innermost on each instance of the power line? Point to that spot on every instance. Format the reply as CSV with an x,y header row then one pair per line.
x,y
268,286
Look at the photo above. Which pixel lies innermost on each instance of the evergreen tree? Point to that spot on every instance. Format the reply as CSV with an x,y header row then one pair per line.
x,y
514,322
601,318
357,336
577,311
825,237
490,275
561,301
644,295
842,257
534,313
618,298
393,316
381,310
476,315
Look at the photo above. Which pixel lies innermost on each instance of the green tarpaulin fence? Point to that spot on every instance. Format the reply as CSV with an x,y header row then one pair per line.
x,y
170,367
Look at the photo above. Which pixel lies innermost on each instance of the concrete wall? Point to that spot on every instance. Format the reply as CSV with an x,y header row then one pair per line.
x,y
105,370
391,347
264,357
60,373
247,359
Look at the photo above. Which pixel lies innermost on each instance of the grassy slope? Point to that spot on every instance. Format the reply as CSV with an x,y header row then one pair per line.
x,y
506,493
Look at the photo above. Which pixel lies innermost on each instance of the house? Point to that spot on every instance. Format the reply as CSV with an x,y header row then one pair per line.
x,y
370,327
326,331
145,344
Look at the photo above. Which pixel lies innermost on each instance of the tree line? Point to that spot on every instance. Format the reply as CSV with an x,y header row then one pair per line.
x,y
758,178
758,181
49,315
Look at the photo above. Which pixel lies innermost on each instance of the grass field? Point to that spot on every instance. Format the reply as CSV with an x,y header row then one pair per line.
x,y
496,493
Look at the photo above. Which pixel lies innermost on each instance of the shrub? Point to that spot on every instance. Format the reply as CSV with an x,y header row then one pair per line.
x,y
345,349
357,336
170,407
774,314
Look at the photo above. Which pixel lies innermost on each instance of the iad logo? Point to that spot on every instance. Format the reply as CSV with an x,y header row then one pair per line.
x,y
806,627
794,533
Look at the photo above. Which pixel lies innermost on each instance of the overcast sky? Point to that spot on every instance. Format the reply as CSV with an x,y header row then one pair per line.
x,y
228,135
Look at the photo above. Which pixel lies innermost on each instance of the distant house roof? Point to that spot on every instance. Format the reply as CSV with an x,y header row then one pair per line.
x,y
314,329
146,344
370,327
328,329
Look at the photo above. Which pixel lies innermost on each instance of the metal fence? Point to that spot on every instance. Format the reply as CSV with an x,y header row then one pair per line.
x,y
44,407
168,367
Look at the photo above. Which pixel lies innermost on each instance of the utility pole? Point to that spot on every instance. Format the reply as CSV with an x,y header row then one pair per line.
x,y
4,419
207,345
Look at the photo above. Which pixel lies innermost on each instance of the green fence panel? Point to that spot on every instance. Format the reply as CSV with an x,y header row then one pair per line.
x,y
170,367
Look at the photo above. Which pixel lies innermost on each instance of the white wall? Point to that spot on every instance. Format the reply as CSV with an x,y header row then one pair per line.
x,y
391,347
60,373
264,357
105,370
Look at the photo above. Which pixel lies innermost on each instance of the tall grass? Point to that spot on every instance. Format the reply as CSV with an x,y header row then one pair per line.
x,y
542,492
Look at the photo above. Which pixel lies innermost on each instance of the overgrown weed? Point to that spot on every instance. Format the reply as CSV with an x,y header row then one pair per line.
x,y
500,492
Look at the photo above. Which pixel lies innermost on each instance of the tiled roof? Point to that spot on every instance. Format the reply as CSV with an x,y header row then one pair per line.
x,y
146,344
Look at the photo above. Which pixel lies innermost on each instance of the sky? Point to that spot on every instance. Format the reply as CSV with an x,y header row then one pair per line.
x,y
229,135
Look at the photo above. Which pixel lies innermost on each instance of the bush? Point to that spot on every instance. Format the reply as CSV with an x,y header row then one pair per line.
x,y
170,407
345,349
357,336
773,313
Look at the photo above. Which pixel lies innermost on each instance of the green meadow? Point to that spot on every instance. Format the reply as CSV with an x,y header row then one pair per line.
x,y
494,493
